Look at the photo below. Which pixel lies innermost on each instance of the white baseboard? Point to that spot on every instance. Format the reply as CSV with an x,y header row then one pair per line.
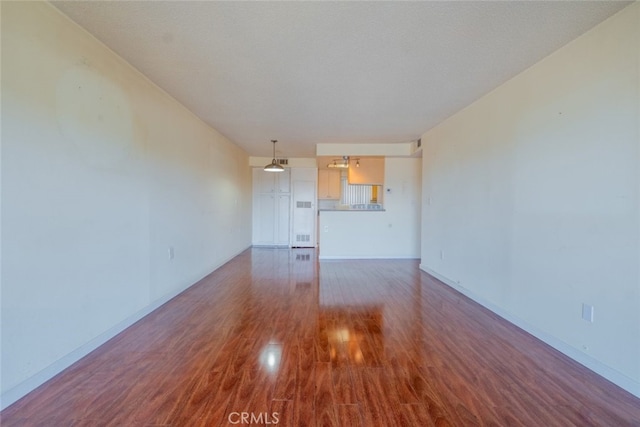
x,y
12,395
589,362
30,384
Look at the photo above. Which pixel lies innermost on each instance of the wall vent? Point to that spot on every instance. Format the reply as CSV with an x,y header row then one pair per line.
x,y
303,204
303,238
303,257
282,161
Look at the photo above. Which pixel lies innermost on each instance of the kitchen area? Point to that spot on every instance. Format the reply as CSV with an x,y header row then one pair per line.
x,y
350,183
349,207
368,207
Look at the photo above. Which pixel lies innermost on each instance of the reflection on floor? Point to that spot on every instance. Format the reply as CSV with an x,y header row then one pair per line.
x,y
275,337
347,331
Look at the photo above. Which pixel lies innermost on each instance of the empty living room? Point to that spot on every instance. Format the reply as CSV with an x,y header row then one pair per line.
x,y
371,213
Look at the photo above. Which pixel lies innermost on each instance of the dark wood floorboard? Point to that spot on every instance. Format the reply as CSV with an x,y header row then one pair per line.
x,y
275,338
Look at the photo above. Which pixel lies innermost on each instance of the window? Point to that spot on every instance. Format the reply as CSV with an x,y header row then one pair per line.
x,y
358,193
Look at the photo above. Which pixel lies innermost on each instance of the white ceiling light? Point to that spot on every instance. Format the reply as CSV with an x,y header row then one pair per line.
x,y
274,166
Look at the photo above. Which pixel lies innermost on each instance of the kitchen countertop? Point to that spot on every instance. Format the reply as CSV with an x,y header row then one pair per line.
x,y
350,210
358,207
336,206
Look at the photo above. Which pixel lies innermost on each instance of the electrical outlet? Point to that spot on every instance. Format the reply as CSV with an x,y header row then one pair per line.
x,y
587,312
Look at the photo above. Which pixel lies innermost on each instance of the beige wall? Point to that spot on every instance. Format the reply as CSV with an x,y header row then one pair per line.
x,y
531,199
103,175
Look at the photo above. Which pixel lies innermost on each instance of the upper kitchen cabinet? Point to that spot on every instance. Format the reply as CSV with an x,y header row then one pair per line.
x,y
328,184
370,171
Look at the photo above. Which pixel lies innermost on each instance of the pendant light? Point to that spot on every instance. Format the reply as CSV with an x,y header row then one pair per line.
x,y
273,166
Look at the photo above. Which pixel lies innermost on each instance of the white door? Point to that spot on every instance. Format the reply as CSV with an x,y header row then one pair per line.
x,y
265,207
271,208
282,220
304,211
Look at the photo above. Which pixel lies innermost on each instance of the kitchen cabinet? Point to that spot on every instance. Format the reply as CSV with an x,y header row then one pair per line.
x,y
328,184
271,208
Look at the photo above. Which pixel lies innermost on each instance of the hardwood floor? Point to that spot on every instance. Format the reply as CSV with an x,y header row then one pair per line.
x,y
277,338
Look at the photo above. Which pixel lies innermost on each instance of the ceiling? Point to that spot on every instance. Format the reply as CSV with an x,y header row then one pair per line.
x,y
331,72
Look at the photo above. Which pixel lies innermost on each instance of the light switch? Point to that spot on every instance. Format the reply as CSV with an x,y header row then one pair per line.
x,y
587,312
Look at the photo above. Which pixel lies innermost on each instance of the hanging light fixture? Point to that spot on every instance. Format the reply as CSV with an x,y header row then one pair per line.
x,y
274,166
344,164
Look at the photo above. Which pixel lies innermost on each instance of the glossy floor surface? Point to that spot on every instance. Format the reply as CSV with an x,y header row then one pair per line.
x,y
276,338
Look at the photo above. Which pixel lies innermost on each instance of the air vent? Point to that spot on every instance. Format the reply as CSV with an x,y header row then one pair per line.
x,y
303,257
283,161
303,238
303,204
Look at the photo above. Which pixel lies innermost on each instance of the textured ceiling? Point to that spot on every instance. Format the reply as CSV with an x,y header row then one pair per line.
x,y
331,72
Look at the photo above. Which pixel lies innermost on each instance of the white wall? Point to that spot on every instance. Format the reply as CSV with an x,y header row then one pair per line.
x,y
531,199
394,233
102,173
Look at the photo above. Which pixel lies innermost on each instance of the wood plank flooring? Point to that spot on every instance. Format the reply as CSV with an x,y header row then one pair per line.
x,y
275,338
